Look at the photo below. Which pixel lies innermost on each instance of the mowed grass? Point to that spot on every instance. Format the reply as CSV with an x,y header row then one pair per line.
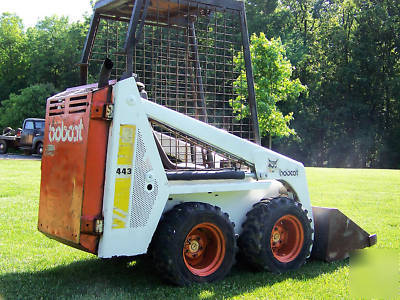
x,y
33,266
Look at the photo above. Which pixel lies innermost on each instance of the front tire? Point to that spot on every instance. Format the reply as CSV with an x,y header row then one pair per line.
x,y
194,242
3,147
276,236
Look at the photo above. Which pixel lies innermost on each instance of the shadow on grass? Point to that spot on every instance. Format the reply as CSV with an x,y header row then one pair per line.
x,y
95,278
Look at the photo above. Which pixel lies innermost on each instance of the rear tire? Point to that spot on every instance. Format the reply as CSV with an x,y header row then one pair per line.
x,y
194,242
3,147
276,236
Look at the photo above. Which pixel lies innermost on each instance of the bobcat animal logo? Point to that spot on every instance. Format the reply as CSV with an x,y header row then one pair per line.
x,y
272,165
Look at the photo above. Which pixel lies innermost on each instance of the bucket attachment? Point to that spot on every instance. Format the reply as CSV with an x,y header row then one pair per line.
x,y
336,235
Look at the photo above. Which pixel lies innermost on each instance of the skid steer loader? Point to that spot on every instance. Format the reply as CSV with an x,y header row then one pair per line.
x,y
166,166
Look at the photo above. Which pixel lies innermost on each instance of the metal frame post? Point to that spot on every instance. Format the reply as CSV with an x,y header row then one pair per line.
x,y
199,79
94,25
249,75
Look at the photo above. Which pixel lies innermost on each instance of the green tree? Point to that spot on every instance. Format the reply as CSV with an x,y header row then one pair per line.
x,y
13,58
273,84
30,103
55,47
376,81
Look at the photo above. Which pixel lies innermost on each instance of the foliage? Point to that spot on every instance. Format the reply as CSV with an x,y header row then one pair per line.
x,y
46,53
35,63
12,55
347,53
54,48
30,103
272,83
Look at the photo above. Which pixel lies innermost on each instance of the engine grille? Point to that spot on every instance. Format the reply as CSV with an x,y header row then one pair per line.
x,y
145,190
67,104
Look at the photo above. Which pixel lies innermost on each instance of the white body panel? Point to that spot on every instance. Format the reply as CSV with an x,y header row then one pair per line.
x,y
132,239
130,232
234,198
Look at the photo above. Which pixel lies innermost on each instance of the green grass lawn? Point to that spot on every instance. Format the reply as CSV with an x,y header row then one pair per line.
x,y
33,266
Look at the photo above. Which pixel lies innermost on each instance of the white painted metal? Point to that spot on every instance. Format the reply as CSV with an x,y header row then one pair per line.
x,y
235,197
130,241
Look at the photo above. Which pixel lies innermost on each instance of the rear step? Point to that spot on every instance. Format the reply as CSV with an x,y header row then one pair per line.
x,y
336,235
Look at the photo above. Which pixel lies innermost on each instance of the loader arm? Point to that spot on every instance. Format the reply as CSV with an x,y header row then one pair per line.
x,y
267,163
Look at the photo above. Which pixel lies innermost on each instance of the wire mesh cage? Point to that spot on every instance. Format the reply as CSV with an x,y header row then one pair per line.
x,y
180,151
183,52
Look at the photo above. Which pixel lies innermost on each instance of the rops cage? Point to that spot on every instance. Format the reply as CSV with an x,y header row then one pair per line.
x,y
184,53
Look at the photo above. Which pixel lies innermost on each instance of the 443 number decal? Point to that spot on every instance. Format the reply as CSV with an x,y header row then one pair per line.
x,y
124,171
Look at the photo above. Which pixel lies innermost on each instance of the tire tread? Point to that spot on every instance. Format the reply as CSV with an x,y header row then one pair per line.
x,y
162,250
251,241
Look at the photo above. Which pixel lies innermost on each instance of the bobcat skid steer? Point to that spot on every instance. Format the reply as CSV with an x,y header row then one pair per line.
x,y
169,166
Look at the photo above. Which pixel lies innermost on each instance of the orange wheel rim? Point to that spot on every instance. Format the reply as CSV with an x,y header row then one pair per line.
x,y
287,238
204,249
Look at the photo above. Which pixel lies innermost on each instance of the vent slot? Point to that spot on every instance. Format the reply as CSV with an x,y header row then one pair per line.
x,y
78,104
78,98
56,107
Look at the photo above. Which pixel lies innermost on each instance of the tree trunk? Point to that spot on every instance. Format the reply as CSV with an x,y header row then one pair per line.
x,y
270,142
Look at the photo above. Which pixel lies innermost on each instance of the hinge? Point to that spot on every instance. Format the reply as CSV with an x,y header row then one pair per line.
x,y
92,225
99,226
102,111
108,111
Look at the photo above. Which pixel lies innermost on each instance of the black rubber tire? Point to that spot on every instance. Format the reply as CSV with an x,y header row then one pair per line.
x,y
255,240
3,147
167,246
39,148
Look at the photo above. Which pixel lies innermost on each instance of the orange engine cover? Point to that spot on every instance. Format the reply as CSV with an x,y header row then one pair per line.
x,y
73,167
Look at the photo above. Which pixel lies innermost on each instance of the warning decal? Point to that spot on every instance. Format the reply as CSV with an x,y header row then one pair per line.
x,y
123,176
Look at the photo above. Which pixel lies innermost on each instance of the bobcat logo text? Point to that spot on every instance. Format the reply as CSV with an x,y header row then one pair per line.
x,y
61,132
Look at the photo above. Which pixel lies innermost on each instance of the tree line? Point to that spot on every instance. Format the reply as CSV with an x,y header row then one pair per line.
x,y
347,54
36,63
